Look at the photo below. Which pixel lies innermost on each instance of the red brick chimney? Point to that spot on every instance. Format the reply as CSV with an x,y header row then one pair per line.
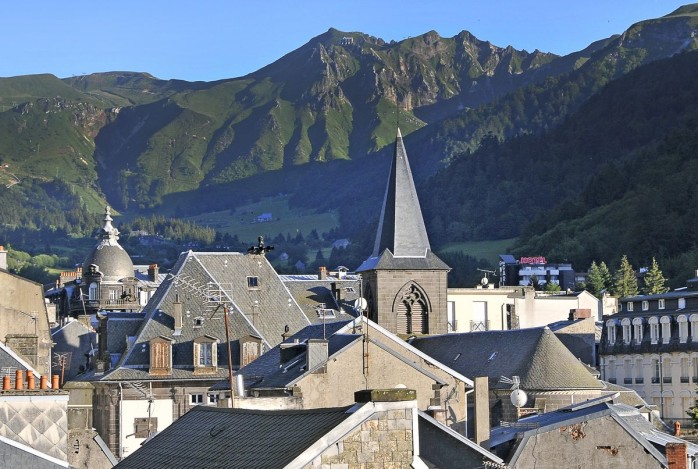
x,y
579,313
676,457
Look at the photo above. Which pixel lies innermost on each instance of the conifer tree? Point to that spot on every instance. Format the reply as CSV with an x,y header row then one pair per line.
x,y
606,276
654,280
625,281
595,282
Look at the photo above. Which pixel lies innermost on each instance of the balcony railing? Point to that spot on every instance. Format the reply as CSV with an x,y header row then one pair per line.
x,y
685,379
627,381
479,326
639,380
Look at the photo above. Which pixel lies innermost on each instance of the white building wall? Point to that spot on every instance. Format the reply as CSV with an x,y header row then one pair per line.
x,y
133,409
672,387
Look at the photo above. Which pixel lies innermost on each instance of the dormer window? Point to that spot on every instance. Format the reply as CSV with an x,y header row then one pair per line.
x,y
205,354
661,303
253,283
629,305
611,329
645,305
198,322
637,325
682,320
161,356
666,329
627,333
654,329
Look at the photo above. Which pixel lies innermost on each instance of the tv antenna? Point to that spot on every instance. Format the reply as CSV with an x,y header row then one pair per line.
x,y
518,396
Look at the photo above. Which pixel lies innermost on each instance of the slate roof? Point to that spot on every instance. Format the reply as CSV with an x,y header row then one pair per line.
x,y
266,371
310,293
401,241
253,439
536,355
76,339
266,310
20,456
10,361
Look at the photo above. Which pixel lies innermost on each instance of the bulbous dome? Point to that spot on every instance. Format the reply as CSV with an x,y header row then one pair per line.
x,y
112,260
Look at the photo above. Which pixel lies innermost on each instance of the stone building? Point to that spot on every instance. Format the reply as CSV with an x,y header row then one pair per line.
x,y
24,325
651,346
404,282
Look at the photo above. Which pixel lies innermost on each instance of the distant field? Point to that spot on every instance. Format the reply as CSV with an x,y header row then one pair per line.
x,y
242,222
488,250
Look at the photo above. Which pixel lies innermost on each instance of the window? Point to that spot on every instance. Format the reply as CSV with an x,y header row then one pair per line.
x,y
160,356
682,320
252,282
694,327
144,427
611,371
661,304
656,370
611,329
196,399
112,294
645,305
694,369
205,354
666,329
198,322
639,377
628,371
654,329
92,292
637,325
629,305
212,399
682,303
666,370
627,335
684,370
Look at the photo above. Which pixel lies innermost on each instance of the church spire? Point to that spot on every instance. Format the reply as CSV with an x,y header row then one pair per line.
x,y
401,226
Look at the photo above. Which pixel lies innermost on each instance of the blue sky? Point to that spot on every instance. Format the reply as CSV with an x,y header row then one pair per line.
x,y
210,40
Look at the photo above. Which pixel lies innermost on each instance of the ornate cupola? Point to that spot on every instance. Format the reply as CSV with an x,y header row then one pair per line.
x,y
108,281
109,258
404,281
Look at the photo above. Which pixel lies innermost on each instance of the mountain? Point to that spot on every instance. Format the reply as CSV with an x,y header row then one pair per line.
x,y
322,117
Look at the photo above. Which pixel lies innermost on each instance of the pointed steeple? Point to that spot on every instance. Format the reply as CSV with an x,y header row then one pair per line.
x,y
401,226
109,233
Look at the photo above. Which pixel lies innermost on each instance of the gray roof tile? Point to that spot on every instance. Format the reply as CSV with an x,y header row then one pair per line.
x,y
253,439
536,355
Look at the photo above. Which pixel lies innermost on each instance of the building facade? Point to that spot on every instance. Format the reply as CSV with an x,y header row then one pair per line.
x,y
651,346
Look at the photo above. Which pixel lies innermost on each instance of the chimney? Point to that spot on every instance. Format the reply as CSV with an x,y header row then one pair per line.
x,y
3,258
322,273
317,352
482,412
676,456
153,271
579,313
177,313
436,410
336,292
385,395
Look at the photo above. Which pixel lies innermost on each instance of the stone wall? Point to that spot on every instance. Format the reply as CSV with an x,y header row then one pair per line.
x,y
383,441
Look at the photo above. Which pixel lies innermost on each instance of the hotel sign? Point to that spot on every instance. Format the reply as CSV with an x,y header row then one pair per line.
x,y
533,260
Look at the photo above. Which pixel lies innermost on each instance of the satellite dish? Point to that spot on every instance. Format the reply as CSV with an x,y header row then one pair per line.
x,y
518,398
360,304
484,281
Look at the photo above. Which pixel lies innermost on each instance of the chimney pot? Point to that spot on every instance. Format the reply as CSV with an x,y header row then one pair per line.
x,y
42,382
54,382
6,383
19,379
30,380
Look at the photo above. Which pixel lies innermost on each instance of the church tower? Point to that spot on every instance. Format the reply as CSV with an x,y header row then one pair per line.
x,y
404,282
